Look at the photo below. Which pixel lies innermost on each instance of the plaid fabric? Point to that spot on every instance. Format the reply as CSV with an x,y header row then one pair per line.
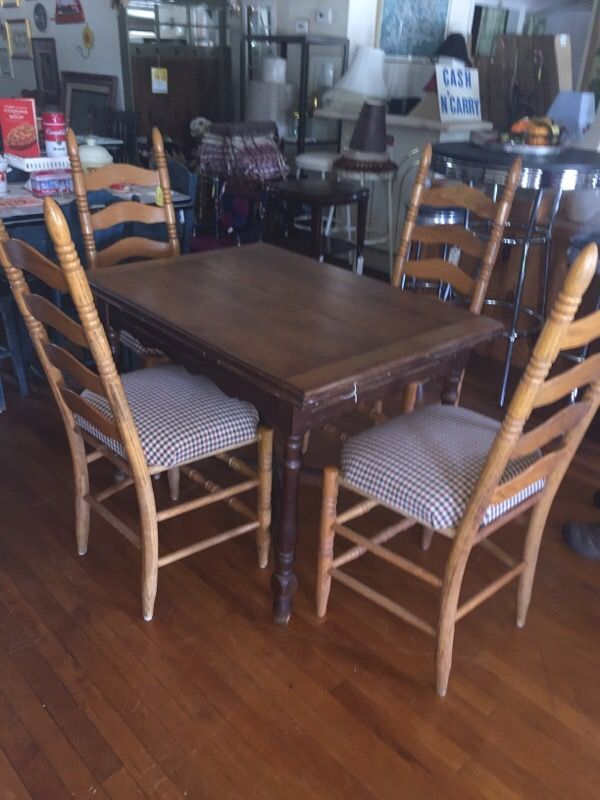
x,y
179,417
129,341
248,157
426,464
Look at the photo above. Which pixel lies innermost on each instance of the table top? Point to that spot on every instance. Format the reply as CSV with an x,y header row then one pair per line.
x,y
407,121
568,169
18,202
308,333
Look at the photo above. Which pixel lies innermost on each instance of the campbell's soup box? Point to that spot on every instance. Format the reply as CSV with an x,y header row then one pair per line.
x,y
19,128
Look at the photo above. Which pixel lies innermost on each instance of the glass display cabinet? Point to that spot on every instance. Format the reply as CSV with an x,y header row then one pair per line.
x,y
313,65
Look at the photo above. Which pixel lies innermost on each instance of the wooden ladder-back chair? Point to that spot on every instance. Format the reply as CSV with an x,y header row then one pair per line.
x,y
125,211
443,270
466,476
145,423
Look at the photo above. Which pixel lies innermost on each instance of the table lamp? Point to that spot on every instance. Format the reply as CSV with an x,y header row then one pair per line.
x,y
368,146
363,82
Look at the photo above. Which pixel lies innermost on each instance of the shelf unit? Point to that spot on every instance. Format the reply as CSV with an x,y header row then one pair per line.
x,y
282,44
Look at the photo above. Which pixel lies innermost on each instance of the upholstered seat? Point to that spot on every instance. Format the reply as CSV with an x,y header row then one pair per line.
x,y
179,417
426,464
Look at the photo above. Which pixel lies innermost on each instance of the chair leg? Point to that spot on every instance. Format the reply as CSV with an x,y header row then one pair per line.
x,y
426,538
455,570
409,398
535,531
149,536
81,485
173,476
265,478
326,537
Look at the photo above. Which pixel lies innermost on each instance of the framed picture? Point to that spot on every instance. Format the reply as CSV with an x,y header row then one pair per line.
x,y
6,65
87,100
10,3
47,76
19,38
69,11
412,28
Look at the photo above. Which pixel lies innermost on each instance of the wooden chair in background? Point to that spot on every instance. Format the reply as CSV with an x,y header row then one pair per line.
x,y
465,476
145,423
444,270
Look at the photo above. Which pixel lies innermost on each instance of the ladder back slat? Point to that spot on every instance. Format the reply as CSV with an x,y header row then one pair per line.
x,y
133,247
459,195
27,258
439,270
452,235
48,314
575,378
83,409
582,332
558,425
105,177
66,362
539,470
127,211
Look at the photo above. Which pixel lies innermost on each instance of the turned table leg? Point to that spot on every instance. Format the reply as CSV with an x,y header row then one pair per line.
x,y
284,580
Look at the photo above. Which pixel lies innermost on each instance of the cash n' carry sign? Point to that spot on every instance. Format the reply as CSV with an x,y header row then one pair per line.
x,y
458,93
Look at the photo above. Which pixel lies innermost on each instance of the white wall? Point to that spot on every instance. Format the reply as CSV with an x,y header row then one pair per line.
x,y
105,58
288,11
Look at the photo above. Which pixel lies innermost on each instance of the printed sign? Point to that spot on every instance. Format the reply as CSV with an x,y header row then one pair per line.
x,y
19,128
160,80
458,93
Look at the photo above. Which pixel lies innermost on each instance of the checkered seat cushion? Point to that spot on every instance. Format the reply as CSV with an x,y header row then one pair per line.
x,y
179,417
129,341
426,464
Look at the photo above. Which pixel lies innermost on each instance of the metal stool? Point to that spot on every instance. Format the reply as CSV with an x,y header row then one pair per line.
x,y
375,177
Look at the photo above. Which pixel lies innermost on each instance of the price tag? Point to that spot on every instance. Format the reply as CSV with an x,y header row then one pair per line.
x,y
159,197
160,80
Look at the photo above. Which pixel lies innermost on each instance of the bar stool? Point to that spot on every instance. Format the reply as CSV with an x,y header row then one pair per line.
x,y
375,177
367,162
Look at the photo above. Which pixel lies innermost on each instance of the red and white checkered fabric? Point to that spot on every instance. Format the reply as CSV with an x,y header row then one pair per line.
x,y
426,464
179,417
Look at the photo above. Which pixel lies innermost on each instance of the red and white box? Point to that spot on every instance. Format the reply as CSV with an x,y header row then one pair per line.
x,y
19,128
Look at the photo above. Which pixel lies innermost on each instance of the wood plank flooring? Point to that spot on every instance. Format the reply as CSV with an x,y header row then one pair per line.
x,y
210,701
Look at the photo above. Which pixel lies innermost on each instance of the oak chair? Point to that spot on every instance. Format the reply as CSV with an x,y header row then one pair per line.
x,y
465,476
444,270
126,214
146,423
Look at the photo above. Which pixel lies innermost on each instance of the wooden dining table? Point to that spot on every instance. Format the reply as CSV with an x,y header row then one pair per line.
x,y
303,341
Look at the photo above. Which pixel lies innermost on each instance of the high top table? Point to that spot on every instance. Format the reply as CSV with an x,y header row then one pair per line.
x,y
301,340
567,170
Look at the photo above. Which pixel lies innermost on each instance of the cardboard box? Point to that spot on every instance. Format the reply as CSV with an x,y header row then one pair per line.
x,y
19,128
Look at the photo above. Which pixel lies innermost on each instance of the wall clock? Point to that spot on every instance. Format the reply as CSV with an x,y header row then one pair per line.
x,y
40,17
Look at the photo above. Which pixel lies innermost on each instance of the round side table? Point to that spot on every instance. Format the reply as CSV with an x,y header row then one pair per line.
x,y
563,171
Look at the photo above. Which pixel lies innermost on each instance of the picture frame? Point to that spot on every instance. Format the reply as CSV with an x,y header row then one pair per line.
x,y
410,29
45,65
87,100
19,39
10,3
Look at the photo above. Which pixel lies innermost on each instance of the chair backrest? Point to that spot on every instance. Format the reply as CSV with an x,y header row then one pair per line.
x,y
475,202
41,316
138,247
558,436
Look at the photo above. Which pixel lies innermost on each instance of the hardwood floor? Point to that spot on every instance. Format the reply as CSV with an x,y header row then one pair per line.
x,y
210,700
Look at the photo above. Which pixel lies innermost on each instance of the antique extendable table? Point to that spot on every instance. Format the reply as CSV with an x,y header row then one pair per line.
x,y
303,341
